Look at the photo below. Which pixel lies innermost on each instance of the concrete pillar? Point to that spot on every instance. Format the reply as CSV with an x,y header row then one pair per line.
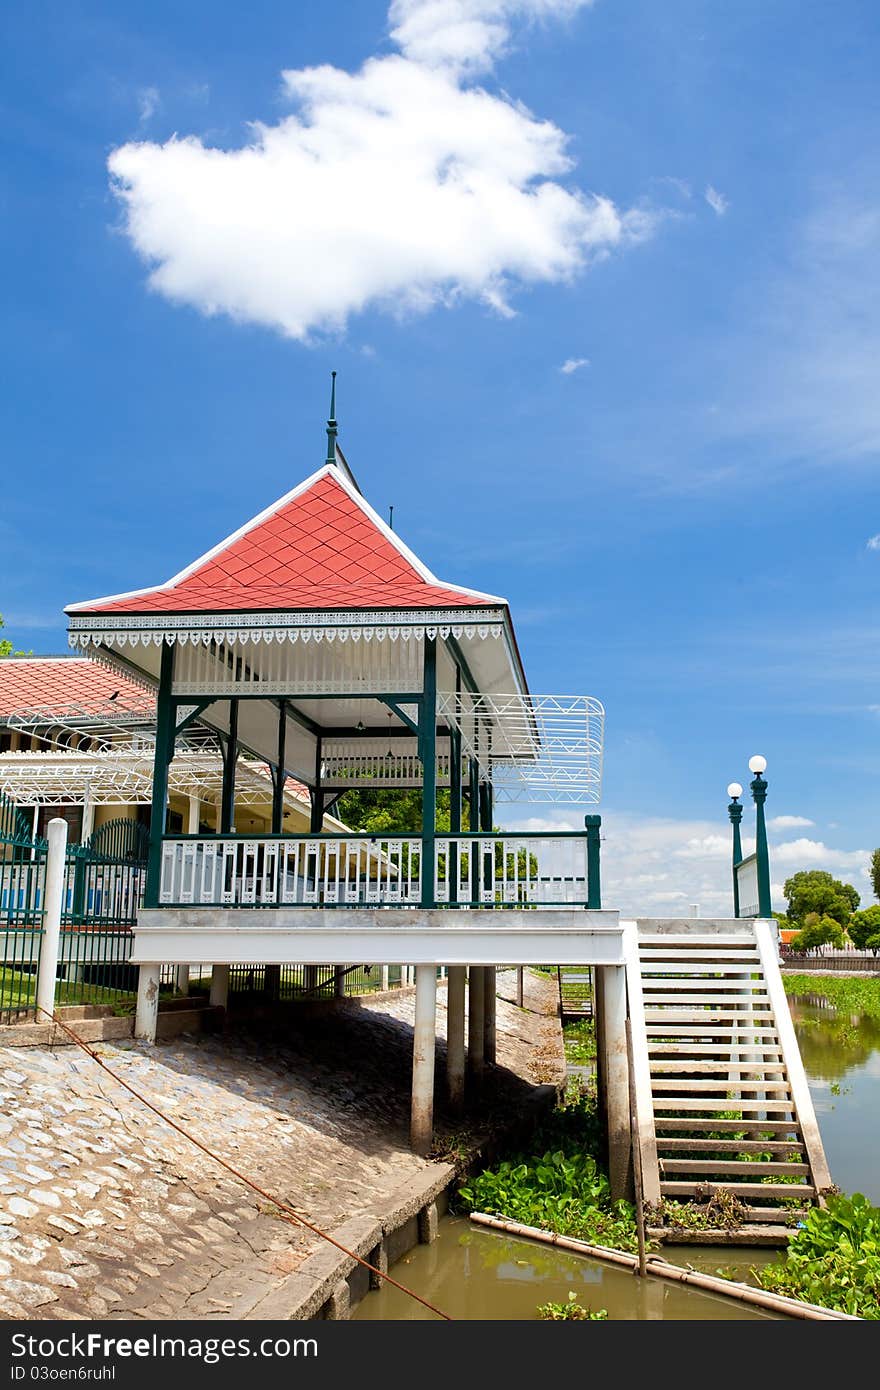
x,y
476,1023
53,900
272,981
310,980
520,986
339,978
489,1014
181,979
616,1068
147,1011
599,1024
455,1036
384,976
424,1034
88,817
220,985
192,815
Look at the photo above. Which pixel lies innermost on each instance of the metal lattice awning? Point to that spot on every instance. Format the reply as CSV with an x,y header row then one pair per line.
x,y
540,748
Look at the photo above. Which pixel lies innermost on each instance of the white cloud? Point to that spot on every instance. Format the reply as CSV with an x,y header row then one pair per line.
x,y
717,201
465,34
874,542
788,822
574,364
399,186
813,854
149,102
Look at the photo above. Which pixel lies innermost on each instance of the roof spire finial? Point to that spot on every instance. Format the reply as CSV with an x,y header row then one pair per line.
x,y
331,423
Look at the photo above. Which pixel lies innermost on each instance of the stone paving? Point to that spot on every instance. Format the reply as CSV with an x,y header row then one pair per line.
x,y
107,1212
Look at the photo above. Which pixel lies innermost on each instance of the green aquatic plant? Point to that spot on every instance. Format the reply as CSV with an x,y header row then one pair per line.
x,y
570,1311
833,1258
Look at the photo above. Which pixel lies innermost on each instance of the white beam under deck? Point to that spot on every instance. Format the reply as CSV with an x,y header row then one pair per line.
x,y
379,936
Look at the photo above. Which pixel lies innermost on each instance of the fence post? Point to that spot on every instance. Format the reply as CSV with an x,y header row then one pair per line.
x,y
594,890
53,898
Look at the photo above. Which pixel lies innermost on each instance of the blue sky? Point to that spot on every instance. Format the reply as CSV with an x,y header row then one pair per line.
x,y
681,198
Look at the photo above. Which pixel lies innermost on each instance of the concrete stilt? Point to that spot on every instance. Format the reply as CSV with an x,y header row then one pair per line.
x,y
424,1034
147,1010
339,979
476,1026
455,992
616,1070
489,1014
599,1025
181,979
220,985
519,986
310,980
52,904
384,976
272,981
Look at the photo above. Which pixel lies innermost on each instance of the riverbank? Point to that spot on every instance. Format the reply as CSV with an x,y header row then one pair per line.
x,y
106,1212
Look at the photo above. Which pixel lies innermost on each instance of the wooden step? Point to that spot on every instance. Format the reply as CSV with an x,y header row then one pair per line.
x,y
662,1065
747,1106
715,1031
687,1142
742,1168
709,963
688,939
674,1083
740,1189
664,1124
683,1048
707,1018
705,989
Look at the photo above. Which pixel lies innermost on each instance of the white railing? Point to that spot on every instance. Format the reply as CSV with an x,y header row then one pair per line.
x,y
506,870
337,871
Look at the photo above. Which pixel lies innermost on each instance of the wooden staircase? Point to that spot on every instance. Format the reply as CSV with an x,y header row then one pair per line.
x,y
721,1097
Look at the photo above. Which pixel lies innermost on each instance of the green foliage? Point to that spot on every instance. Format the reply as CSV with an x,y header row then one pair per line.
x,y
813,890
570,1311
833,1259
558,1185
850,994
383,809
875,872
863,925
817,931
6,647
580,1041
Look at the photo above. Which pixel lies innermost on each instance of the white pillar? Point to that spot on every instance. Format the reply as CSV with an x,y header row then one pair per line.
x,y
181,979
147,1011
519,985
310,980
424,1034
476,1023
53,898
384,976
489,1014
455,992
339,979
192,815
219,985
88,817
616,1069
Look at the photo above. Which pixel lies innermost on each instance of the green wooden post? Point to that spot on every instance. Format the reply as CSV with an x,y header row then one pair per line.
x,y
735,811
227,799
163,755
455,798
474,816
279,775
594,884
759,792
316,820
428,756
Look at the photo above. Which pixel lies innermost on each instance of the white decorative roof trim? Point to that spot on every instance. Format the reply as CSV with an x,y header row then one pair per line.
x,y
366,625
103,657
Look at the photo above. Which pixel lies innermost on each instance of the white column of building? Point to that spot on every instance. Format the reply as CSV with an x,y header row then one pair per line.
x,y
489,1014
88,816
219,985
616,1076
147,1011
424,1041
476,1023
52,903
455,991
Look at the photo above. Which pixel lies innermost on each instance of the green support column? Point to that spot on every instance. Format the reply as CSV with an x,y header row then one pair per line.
x,y
279,774
759,792
316,822
164,751
735,811
428,756
455,790
594,881
227,799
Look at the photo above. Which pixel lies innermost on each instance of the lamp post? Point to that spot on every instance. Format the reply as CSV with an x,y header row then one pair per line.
x,y
758,786
735,811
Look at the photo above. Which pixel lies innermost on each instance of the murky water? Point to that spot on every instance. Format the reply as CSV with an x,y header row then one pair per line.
x,y
473,1273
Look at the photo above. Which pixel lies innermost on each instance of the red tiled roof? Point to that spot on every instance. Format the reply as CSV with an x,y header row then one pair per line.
x,y
62,681
317,549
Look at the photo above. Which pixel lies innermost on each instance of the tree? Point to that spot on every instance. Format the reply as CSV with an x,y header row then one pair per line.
x,y
814,891
863,925
389,810
6,647
817,931
875,872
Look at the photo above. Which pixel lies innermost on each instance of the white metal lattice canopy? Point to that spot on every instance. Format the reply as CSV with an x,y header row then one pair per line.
x,y
542,748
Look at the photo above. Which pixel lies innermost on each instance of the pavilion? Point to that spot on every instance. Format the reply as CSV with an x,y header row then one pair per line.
x,y
314,640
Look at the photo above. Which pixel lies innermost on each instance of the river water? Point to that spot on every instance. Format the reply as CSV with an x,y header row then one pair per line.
x,y
477,1274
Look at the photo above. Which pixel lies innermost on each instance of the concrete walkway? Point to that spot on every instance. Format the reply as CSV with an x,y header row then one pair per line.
x,y
106,1212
